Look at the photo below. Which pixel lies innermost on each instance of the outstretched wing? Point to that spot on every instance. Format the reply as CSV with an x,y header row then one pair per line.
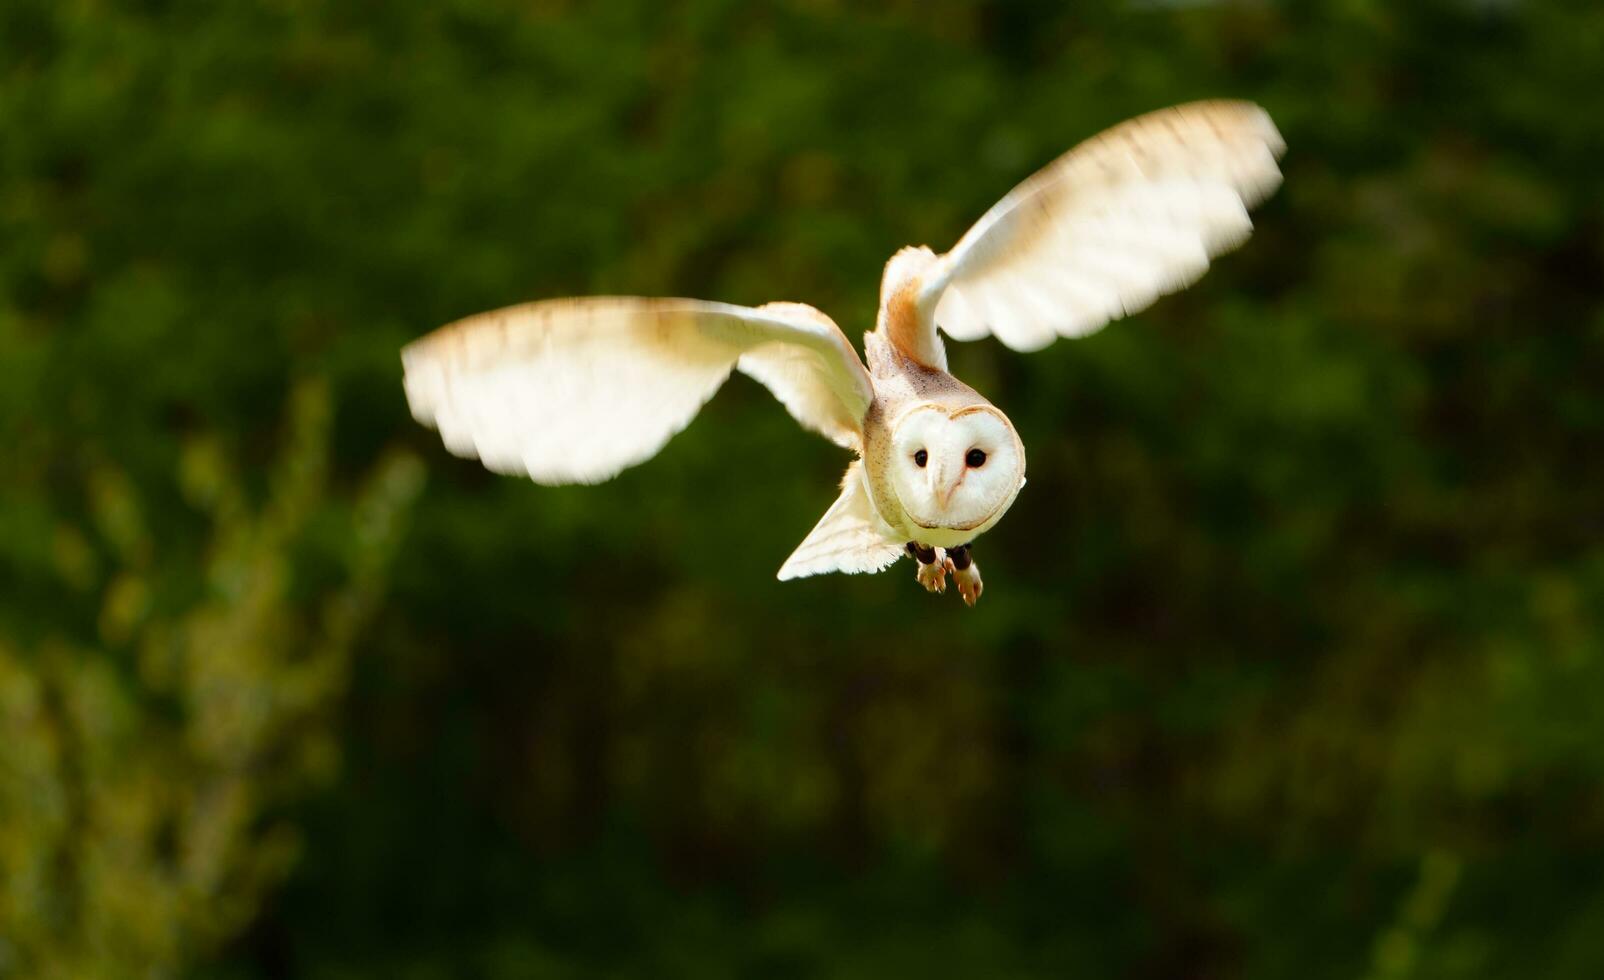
x,y
1118,221
850,537
575,390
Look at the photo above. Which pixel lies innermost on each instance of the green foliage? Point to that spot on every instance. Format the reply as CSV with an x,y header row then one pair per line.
x,y
143,775
1289,652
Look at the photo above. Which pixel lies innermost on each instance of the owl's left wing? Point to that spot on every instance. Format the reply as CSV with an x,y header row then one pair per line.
x,y
575,390
1118,221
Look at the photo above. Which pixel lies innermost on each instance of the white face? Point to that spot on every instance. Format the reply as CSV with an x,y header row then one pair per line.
x,y
955,471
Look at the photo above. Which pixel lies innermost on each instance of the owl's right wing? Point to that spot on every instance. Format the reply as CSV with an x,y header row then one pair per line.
x,y
575,390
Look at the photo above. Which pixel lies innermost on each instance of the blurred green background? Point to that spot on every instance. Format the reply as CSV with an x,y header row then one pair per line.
x,y
1289,663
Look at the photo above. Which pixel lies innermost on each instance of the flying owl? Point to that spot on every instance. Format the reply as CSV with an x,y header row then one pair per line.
x,y
575,390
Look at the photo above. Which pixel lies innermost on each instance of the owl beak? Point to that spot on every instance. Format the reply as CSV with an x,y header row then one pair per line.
x,y
941,487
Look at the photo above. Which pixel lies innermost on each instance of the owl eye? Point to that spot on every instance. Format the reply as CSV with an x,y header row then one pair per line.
x,y
976,458
920,458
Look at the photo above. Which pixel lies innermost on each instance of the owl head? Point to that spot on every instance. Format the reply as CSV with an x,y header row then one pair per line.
x,y
956,470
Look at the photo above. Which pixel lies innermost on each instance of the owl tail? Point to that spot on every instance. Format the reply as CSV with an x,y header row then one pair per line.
x,y
850,537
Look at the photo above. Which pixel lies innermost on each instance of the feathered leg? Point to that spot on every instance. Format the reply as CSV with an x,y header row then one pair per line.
x,y
932,569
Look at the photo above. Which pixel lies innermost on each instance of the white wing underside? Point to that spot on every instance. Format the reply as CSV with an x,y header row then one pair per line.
x,y
850,537
575,390
1120,220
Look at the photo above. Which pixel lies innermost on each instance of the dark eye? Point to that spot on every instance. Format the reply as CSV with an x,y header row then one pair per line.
x,y
976,458
920,458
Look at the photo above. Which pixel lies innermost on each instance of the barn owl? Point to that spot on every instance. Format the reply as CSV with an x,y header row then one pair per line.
x,y
575,390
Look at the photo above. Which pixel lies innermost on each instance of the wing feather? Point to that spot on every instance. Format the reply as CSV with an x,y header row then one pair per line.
x,y
850,537
575,390
1126,217
805,379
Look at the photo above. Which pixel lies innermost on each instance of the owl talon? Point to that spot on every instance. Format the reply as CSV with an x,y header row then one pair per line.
x,y
968,582
965,574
